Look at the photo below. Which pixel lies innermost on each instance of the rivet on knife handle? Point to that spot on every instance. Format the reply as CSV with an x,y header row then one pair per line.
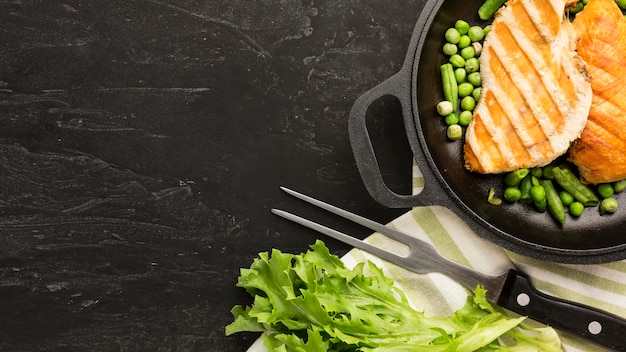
x,y
600,327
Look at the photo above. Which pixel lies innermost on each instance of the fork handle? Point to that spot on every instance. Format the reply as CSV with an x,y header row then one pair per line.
x,y
602,328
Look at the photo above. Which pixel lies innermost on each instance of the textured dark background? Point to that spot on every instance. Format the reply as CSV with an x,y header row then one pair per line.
x,y
142,144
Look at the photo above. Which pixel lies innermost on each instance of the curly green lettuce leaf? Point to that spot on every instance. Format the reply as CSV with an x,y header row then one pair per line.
x,y
313,302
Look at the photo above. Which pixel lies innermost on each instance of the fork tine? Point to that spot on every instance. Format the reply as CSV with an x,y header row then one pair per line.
x,y
354,242
373,225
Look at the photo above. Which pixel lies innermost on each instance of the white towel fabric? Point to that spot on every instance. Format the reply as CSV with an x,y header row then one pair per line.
x,y
601,285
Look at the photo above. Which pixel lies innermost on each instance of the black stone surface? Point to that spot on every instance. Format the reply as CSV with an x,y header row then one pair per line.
x,y
142,144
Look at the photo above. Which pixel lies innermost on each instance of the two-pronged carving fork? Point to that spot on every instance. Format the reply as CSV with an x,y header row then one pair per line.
x,y
511,290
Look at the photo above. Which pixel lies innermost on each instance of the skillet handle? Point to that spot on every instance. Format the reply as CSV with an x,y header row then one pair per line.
x,y
398,86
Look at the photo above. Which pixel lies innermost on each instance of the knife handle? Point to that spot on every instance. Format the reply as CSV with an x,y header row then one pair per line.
x,y
519,295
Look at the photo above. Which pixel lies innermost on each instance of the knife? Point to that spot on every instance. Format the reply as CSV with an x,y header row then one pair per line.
x,y
512,289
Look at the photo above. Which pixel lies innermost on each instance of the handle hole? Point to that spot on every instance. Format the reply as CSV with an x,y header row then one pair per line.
x,y
385,125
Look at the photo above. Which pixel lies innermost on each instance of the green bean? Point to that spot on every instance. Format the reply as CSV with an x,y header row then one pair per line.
x,y
465,117
492,199
450,49
538,195
608,205
576,209
489,8
555,206
524,186
468,103
462,26
619,186
534,180
605,190
487,29
475,79
621,4
568,181
454,132
512,194
450,87
452,35
566,198
514,178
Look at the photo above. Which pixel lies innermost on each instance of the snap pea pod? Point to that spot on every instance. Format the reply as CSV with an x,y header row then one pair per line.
x,y
450,85
554,203
566,179
489,8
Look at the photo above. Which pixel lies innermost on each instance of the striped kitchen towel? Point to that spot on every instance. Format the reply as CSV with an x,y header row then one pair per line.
x,y
600,285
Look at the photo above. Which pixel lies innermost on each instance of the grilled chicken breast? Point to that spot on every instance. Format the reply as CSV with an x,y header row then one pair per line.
x,y
536,93
600,153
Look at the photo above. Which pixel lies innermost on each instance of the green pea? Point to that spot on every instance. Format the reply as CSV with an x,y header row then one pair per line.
x,y
475,79
538,193
457,61
472,65
476,93
460,74
608,205
452,119
468,52
576,208
512,194
605,190
465,89
464,41
576,9
537,172
619,186
462,26
548,172
468,103
454,132
487,29
465,117
476,33
452,35
445,108
566,198
450,49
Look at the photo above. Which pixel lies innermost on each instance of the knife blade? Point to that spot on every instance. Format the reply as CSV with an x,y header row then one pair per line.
x,y
512,289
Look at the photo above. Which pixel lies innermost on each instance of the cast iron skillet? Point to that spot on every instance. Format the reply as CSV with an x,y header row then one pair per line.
x,y
589,239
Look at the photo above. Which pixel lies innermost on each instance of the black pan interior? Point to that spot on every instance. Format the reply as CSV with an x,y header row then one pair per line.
x,y
514,222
